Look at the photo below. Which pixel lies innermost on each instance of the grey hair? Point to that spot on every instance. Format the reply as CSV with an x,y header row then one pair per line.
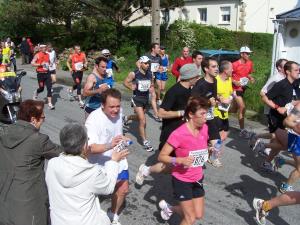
x,y
224,66
73,137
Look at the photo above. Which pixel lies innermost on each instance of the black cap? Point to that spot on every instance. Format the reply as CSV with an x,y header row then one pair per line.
x,y
162,47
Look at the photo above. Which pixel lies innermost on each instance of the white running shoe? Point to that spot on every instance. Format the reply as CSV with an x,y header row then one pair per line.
x,y
166,211
81,104
259,146
268,167
260,213
148,146
50,106
252,139
70,95
115,222
139,178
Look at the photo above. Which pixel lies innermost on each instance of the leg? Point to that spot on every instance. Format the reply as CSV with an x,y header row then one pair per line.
x,y
153,101
295,174
119,195
158,82
41,82
23,58
78,82
161,168
162,90
199,207
53,77
49,88
142,121
188,211
289,198
241,111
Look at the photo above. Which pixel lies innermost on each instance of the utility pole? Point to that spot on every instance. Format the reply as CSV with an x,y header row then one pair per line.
x,y
155,31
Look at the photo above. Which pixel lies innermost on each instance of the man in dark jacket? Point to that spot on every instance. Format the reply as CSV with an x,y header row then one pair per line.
x,y
23,150
25,51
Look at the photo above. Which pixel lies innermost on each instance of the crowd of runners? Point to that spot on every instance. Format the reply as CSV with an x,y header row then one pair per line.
x,y
194,114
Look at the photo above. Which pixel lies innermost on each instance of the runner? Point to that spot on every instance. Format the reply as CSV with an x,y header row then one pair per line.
x,y
162,76
41,62
140,81
53,62
255,139
206,87
279,96
104,128
197,57
242,70
293,146
224,92
111,65
95,84
189,142
180,61
263,207
171,111
77,63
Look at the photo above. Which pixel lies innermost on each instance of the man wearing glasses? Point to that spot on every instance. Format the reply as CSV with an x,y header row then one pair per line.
x,y
241,74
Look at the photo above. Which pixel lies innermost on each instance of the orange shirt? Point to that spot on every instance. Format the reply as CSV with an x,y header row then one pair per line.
x,y
42,58
241,70
78,61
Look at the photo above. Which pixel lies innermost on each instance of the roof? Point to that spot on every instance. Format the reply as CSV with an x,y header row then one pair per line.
x,y
295,13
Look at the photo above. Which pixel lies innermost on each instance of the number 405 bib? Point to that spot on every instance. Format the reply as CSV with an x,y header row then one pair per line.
x,y
200,157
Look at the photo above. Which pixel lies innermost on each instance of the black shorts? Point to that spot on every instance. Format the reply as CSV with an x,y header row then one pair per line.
x,y
274,123
223,124
88,110
52,72
140,101
77,76
240,93
184,191
213,130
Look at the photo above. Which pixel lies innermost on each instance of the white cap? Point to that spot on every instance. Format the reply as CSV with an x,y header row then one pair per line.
x,y
144,59
105,52
42,45
245,49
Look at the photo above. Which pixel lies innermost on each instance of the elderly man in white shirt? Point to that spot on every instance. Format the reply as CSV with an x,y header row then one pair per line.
x,y
104,128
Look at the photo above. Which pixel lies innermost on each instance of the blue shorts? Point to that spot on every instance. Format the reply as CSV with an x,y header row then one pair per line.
x,y
161,76
294,144
124,175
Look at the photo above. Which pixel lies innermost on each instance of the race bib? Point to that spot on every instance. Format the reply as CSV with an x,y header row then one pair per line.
x,y
200,157
210,113
244,81
109,72
154,67
165,69
45,66
223,107
78,66
144,85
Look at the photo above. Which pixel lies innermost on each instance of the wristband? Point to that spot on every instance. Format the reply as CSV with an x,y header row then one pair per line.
x,y
173,161
180,113
276,106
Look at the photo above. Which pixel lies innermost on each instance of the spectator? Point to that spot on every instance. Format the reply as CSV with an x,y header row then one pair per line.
x,y
74,183
23,149
185,58
25,51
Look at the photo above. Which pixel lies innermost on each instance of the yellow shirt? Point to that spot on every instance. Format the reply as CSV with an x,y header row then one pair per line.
x,y
6,51
224,89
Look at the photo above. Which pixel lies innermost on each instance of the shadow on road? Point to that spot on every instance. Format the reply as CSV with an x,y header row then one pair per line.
x,y
247,189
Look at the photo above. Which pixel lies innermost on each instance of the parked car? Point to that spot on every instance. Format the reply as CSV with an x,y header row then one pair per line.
x,y
221,54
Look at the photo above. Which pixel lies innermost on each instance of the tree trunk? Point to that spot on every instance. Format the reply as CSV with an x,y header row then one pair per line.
x,y
68,24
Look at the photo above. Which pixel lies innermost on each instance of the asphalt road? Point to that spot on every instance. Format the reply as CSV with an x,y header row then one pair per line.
x,y
229,190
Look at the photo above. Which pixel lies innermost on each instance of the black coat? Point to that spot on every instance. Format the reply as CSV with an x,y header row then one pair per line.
x,y
24,47
23,192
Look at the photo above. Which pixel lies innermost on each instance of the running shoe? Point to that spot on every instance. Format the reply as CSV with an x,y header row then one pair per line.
x,y
157,119
260,213
166,211
159,102
285,187
215,163
252,139
81,104
70,95
35,95
264,153
115,222
267,166
125,120
139,178
245,134
259,146
50,106
148,146
278,162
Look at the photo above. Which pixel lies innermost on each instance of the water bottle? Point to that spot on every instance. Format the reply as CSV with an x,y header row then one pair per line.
x,y
122,145
216,150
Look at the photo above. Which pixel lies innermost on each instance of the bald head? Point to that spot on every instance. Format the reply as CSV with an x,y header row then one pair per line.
x,y
185,52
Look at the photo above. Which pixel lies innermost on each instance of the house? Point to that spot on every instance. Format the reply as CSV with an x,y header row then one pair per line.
x,y
287,37
237,15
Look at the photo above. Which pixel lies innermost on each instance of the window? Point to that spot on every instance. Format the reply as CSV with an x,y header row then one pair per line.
x,y
203,14
225,14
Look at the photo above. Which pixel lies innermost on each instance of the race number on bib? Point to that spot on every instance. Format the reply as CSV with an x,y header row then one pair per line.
x,y
144,85
200,157
78,66
154,67
109,72
210,113
45,66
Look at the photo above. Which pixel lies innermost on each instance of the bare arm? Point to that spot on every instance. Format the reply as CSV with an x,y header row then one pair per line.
x,y
69,63
100,148
164,114
128,82
33,62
